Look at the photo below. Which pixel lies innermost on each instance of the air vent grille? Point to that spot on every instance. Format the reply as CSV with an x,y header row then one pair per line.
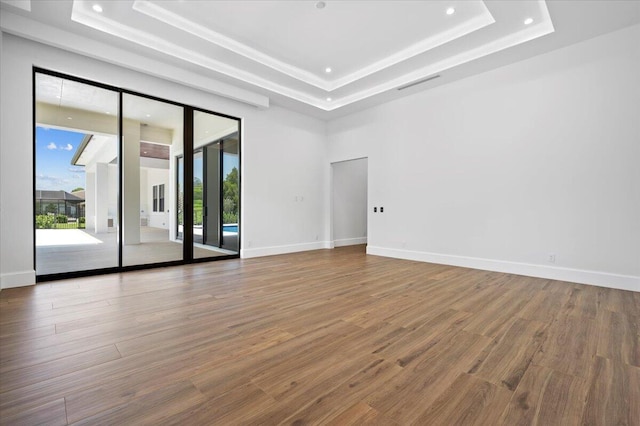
x,y
415,83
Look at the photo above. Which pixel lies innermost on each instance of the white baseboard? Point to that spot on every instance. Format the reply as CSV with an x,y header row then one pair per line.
x,y
581,276
349,242
292,248
17,279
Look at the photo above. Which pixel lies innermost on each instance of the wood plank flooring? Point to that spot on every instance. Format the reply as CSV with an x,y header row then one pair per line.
x,y
323,337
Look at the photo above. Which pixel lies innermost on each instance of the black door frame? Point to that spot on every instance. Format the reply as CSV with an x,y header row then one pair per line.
x,y
187,239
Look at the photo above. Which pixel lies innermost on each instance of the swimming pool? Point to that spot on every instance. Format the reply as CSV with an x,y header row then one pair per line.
x,y
230,228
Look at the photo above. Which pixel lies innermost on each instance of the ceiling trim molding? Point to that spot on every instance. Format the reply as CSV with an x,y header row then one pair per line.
x,y
42,33
20,4
99,22
419,48
161,14
82,14
543,28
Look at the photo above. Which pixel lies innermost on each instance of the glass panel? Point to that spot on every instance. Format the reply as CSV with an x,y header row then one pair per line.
x,y
76,176
161,197
230,193
152,140
180,197
215,180
197,197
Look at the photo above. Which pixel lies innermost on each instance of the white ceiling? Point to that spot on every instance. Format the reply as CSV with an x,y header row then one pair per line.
x,y
281,48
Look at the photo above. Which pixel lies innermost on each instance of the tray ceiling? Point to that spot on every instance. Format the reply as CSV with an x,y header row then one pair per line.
x,y
287,47
323,57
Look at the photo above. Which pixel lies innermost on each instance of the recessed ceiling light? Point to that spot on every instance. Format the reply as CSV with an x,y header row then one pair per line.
x,y
144,152
148,115
69,118
328,99
528,21
58,96
97,8
451,11
320,5
328,70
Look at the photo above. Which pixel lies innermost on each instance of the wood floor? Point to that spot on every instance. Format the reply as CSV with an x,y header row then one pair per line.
x,y
323,337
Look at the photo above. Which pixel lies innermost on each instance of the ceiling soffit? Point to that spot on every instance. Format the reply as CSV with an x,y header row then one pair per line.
x,y
184,30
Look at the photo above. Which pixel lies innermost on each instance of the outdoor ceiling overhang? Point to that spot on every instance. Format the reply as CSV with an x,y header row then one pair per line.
x,y
285,47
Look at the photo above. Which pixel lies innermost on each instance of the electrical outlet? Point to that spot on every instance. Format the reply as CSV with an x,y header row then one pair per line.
x,y
551,258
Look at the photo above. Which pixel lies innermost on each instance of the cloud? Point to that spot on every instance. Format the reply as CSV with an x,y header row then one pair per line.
x,y
47,177
67,147
50,182
76,176
76,169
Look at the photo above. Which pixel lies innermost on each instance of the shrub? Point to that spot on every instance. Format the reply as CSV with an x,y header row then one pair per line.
x,y
229,217
44,221
61,218
81,220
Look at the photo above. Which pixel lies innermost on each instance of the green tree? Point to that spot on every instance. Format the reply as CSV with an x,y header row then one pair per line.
x,y
78,189
197,201
51,208
231,197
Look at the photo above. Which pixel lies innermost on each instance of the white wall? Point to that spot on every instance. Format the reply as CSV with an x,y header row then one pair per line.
x,y
157,177
349,202
500,170
284,212
284,155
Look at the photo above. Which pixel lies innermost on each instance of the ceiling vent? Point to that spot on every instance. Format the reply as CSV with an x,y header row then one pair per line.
x,y
415,83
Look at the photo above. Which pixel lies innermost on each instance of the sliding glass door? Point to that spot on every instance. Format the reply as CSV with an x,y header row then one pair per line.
x,y
124,180
216,186
76,176
152,140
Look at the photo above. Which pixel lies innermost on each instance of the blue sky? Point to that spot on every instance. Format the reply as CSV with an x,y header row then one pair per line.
x,y
54,150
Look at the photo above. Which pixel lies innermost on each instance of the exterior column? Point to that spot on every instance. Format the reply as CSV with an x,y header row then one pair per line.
x,y
102,198
131,182
90,199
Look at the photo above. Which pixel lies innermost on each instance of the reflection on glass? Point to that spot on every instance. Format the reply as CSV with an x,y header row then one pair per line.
x,y
198,197
230,193
180,197
152,142
76,176
216,186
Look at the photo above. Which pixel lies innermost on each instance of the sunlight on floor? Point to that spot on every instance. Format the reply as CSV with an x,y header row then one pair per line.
x,y
63,237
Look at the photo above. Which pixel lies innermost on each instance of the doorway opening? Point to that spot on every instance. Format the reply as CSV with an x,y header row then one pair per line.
x,y
349,202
